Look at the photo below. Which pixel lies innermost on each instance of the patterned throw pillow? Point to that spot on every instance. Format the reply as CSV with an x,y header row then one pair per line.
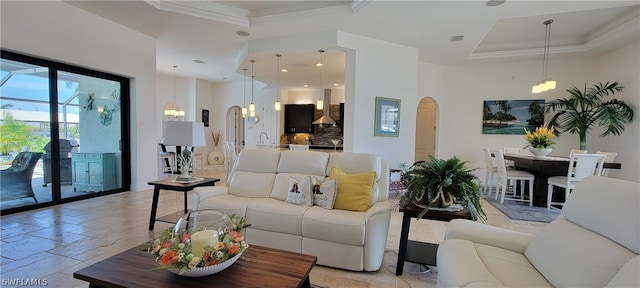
x,y
324,193
300,191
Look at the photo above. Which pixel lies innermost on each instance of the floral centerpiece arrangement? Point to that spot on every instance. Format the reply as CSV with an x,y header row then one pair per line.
x,y
177,250
540,138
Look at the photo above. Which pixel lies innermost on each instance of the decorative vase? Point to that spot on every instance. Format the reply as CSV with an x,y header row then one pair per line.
x,y
540,153
216,158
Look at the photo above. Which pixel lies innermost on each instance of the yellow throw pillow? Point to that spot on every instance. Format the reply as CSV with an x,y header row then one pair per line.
x,y
354,190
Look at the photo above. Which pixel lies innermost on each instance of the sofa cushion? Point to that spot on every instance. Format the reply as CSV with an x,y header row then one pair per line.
x,y
258,160
354,190
277,216
353,163
300,191
324,192
597,233
303,162
251,184
569,255
229,204
339,226
622,206
281,185
462,263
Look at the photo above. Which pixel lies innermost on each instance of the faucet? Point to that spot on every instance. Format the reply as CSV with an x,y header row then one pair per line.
x,y
265,135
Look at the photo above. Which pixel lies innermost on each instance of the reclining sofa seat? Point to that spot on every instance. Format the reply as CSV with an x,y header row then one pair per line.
x,y
258,189
595,242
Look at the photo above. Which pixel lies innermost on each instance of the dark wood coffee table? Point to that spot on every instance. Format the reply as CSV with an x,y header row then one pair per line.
x,y
167,184
264,267
421,252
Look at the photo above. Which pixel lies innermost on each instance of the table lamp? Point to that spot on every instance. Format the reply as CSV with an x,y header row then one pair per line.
x,y
182,133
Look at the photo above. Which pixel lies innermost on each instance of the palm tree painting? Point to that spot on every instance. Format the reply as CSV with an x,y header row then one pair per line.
x,y
512,116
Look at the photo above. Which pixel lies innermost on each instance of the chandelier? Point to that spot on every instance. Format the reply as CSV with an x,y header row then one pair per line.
x,y
546,83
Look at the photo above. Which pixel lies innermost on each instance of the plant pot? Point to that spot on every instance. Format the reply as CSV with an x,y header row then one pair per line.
x,y
540,153
443,199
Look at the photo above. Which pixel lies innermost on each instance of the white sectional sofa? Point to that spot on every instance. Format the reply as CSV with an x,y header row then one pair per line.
x,y
595,242
258,188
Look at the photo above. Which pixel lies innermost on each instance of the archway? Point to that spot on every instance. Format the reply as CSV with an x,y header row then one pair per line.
x,y
426,129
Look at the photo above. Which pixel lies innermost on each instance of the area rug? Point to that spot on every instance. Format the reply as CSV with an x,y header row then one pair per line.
x,y
521,211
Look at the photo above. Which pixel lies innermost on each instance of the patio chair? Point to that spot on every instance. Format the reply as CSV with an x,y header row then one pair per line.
x,y
15,181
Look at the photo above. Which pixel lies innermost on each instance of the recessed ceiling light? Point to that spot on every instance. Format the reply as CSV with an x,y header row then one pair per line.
x,y
300,65
242,33
492,3
284,70
335,84
305,85
198,61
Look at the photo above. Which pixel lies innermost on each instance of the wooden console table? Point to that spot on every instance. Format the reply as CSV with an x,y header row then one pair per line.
x,y
421,252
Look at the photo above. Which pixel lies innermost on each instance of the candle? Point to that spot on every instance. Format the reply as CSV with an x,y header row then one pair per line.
x,y
201,239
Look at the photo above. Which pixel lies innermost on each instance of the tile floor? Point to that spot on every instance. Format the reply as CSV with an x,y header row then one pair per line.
x,y
51,243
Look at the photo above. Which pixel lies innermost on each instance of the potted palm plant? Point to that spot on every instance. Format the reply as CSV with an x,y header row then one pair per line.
x,y
583,109
441,183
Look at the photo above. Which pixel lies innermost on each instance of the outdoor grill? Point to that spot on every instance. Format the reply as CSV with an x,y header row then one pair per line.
x,y
66,147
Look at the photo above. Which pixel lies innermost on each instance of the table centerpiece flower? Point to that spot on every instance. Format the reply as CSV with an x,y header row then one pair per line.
x,y
180,250
539,141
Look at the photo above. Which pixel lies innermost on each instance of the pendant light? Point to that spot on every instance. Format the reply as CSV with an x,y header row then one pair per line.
x,y
244,94
320,102
546,83
277,106
252,107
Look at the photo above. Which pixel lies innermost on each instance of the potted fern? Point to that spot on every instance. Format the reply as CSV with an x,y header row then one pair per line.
x,y
441,183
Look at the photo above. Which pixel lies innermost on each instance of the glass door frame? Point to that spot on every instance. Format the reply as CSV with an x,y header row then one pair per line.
x,y
125,143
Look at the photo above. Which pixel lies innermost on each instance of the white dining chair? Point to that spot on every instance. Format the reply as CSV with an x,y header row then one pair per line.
x,y
511,150
490,169
577,151
505,176
166,160
580,166
610,157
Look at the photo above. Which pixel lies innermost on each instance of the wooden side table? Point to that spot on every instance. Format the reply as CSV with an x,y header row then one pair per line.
x,y
166,184
421,252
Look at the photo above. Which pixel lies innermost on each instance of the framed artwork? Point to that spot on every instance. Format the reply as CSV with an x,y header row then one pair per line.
x,y
387,121
205,117
511,117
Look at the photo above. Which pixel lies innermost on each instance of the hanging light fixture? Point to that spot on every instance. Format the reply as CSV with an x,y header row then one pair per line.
x,y
320,102
277,106
244,94
252,107
546,83
171,109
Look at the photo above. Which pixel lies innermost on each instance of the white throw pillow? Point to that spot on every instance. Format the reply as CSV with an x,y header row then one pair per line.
x,y
324,193
299,191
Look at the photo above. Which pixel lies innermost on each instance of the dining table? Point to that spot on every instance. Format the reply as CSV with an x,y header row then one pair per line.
x,y
543,168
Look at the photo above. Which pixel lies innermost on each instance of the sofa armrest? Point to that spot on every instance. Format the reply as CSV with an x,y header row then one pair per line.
x,y
377,222
201,193
488,235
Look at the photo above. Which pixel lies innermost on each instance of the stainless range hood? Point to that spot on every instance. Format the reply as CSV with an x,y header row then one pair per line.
x,y
326,119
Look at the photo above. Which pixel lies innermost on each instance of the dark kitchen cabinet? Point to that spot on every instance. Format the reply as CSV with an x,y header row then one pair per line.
x,y
298,118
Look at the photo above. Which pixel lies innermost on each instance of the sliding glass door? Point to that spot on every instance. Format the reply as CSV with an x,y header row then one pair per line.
x,y
80,108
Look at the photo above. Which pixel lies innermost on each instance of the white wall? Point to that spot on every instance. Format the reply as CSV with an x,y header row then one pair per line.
x,y
467,86
377,68
623,66
58,31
